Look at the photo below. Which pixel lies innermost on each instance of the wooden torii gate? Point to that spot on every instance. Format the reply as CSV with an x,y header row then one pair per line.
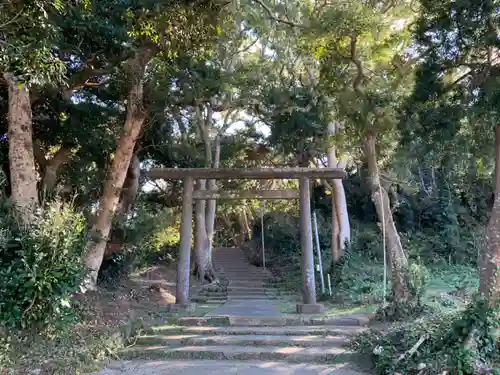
x,y
188,175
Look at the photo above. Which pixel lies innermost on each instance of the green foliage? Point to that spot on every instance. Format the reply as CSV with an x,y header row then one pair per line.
x,y
28,35
41,268
361,282
282,239
149,231
455,342
436,226
366,239
298,121
146,238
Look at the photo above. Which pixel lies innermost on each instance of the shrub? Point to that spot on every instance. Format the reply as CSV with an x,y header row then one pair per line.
x,y
418,278
366,239
40,268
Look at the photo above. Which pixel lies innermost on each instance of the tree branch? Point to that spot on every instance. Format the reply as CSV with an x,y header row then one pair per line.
x,y
39,154
356,84
387,7
77,81
50,167
60,157
280,20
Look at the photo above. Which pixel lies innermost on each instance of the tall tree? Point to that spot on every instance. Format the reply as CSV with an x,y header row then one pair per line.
x,y
286,37
461,69
27,36
117,172
153,31
366,45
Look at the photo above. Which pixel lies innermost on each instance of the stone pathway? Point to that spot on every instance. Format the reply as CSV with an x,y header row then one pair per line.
x,y
243,335
223,368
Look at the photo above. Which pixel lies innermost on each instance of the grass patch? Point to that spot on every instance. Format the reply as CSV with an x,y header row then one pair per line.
x,y
447,288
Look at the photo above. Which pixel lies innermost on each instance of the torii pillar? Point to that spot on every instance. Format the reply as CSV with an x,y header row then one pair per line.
x,y
182,302
309,305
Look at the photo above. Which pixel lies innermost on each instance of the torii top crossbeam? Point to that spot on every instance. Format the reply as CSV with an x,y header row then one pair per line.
x,y
245,173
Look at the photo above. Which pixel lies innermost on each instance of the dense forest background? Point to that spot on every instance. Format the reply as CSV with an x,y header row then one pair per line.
x,y
97,96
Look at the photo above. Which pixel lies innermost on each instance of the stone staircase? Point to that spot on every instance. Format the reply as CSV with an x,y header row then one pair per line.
x,y
245,280
247,339
244,336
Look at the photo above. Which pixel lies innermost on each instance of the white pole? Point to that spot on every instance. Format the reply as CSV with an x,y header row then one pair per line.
x,y
329,285
318,249
262,234
384,249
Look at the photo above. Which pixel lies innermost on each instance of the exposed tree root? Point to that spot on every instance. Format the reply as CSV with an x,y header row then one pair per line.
x,y
205,274
396,311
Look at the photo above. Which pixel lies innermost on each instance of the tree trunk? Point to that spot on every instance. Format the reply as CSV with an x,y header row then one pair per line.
x,y
212,204
125,206
23,175
205,212
341,230
380,198
49,169
342,214
203,268
130,187
119,166
52,168
243,224
490,264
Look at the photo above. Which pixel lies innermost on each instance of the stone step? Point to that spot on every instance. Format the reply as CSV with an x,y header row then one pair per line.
x,y
256,340
246,276
233,262
280,321
197,367
239,267
251,288
253,330
209,293
234,267
294,354
209,300
272,321
259,292
239,296
245,279
250,285
235,271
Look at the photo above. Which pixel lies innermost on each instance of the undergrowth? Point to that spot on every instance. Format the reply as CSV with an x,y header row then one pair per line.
x,y
68,351
45,325
459,343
